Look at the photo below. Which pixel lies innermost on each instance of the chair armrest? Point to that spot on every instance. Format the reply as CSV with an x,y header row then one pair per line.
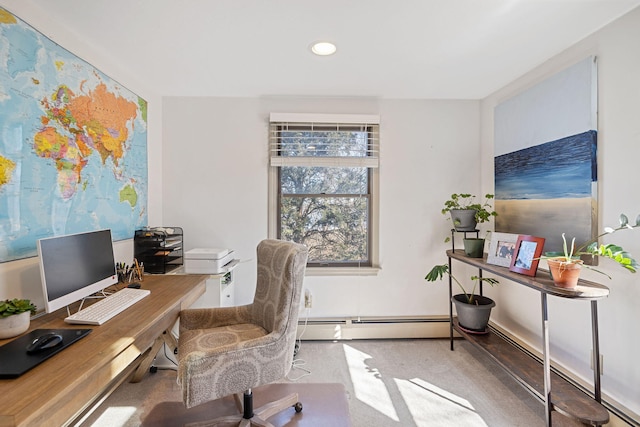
x,y
206,318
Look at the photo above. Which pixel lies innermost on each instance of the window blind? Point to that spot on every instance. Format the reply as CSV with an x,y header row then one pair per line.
x,y
324,140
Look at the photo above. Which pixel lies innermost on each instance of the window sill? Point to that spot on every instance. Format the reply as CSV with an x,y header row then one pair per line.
x,y
342,271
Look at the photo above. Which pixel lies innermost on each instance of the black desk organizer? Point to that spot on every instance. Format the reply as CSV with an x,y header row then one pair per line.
x,y
159,249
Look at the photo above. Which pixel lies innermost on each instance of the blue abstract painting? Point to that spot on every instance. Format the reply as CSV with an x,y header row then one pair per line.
x,y
546,158
565,168
548,189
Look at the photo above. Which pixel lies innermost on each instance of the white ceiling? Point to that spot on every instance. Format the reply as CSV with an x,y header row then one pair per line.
x,y
455,49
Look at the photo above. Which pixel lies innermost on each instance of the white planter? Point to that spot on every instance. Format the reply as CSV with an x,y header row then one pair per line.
x,y
13,326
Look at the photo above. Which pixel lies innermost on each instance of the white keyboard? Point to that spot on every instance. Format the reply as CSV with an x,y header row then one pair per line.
x,y
106,308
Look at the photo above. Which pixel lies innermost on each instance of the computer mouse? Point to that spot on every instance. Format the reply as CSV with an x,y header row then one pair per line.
x,y
134,285
43,342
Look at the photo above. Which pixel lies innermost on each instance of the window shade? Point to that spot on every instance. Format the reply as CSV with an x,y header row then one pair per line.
x,y
324,140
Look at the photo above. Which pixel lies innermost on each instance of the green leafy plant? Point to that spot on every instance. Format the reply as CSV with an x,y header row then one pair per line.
x,y
593,249
16,306
484,210
438,272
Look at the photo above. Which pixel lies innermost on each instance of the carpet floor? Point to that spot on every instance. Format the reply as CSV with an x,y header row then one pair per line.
x,y
382,383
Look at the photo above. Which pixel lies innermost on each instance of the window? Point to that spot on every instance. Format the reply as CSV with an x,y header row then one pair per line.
x,y
324,184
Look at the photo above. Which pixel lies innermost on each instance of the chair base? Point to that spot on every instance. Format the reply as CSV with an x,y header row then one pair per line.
x,y
259,417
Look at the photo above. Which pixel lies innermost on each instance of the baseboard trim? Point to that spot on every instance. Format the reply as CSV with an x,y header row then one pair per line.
x,y
373,328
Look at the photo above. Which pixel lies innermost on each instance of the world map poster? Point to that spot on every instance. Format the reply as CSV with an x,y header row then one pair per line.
x,y
73,145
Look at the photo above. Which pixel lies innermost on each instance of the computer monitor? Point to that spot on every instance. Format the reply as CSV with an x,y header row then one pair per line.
x,y
75,266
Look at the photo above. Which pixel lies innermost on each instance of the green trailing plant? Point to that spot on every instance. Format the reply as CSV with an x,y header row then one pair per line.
x,y
484,210
593,249
16,306
438,272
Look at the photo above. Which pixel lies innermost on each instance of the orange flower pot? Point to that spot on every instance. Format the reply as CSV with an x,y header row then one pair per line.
x,y
565,274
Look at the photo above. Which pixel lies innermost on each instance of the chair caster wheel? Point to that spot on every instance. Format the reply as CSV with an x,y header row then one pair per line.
x,y
153,369
298,407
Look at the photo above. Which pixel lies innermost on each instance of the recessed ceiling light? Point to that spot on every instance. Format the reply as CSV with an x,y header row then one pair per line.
x,y
323,48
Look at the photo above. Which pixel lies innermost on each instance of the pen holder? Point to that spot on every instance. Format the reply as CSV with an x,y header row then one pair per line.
x,y
129,274
123,277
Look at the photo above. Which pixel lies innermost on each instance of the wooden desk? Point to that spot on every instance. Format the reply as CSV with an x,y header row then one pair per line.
x,y
62,387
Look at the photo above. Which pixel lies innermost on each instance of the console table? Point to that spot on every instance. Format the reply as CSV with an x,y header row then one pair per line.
x,y
61,388
564,403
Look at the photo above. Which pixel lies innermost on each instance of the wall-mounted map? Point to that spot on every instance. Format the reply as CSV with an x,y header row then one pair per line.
x,y
73,145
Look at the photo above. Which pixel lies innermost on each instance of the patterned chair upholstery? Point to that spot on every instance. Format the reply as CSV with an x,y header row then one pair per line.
x,y
229,350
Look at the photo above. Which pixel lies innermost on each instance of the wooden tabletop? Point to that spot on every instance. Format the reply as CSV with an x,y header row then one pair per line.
x,y
63,386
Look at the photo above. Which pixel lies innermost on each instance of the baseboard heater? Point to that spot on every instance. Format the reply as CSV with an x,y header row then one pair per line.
x,y
373,328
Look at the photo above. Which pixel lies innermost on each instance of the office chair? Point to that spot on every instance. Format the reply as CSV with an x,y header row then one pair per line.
x,y
230,350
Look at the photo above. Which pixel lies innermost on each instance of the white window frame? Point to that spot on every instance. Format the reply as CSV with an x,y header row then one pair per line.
x,y
374,196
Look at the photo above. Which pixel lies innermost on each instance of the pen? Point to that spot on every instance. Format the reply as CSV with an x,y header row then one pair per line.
x,y
137,268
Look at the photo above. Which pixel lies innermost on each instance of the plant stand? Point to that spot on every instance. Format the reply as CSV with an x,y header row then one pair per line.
x,y
567,404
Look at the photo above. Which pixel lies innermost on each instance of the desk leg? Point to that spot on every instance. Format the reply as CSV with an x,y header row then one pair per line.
x,y
545,357
166,338
147,360
170,340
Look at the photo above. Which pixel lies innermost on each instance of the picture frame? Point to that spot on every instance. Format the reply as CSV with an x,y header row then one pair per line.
x,y
502,246
527,255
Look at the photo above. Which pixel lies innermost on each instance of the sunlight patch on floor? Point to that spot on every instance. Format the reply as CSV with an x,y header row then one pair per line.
x,y
115,416
367,383
432,406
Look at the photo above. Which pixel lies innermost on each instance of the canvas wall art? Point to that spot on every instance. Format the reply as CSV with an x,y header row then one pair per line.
x,y
545,158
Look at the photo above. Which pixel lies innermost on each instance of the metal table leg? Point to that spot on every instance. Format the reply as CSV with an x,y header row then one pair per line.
x,y
596,352
450,308
545,357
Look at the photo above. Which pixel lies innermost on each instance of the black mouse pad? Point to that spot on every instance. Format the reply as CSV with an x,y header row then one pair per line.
x,y
14,360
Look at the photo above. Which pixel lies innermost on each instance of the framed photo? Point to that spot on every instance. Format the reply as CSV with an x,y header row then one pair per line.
x,y
527,255
502,246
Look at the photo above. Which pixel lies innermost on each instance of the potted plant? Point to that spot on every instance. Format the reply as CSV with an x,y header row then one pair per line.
x,y
466,212
565,269
474,246
473,310
15,316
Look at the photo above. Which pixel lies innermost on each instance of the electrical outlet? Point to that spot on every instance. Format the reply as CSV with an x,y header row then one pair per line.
x,y
307,298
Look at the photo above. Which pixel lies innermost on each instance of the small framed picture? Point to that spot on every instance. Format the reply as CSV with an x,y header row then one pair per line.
x,y
527,255
502,246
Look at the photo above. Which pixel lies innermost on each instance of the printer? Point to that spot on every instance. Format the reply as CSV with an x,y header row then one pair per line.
x,y
207,261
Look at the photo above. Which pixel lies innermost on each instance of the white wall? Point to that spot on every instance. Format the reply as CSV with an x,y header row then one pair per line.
x,y
22,278
617,48
214,177
211,179
216,166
